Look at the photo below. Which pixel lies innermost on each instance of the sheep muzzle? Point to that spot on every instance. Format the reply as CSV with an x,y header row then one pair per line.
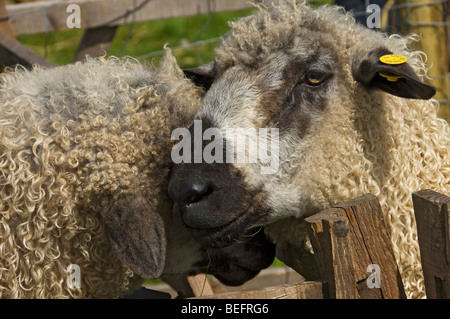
x,y
213,202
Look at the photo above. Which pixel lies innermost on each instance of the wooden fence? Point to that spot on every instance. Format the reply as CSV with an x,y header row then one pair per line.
x,y
355,255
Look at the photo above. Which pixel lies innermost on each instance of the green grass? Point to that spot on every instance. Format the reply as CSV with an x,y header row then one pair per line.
x,y
277,263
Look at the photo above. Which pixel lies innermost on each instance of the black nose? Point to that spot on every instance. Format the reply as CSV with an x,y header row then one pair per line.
x,y
189,191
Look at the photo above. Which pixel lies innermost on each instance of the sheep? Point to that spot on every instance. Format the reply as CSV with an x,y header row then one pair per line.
x,y
85,158
346,124
78,151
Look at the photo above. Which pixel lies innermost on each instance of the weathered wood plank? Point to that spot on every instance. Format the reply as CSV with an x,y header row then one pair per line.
x,y
200,285
13,52
97,13
432,211
306,290
373,234
370,244
95,42
337,257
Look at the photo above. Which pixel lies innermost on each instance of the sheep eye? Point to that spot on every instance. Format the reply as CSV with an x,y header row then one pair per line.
x,y
315,78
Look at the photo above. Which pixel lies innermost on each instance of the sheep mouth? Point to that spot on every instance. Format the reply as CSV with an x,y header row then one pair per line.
x,y
235,275
228,233
242,260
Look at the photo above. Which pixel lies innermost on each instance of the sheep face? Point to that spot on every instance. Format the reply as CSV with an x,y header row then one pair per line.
x,y
288,91
287,80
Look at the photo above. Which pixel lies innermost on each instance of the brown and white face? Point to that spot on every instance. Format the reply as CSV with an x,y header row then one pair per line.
x,y
276,102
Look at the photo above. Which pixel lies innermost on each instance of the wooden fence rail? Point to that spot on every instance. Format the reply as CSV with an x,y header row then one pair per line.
x,y
353,249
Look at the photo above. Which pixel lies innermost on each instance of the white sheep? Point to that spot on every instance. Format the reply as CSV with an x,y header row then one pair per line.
x,y
80,154
348,124
80,157
85,158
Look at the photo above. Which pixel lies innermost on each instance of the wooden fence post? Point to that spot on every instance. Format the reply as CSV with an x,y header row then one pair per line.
x,y
368,245
95,42
432,211
336,255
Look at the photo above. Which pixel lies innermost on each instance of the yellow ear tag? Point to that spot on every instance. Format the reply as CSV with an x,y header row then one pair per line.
x,y
390,77
393,59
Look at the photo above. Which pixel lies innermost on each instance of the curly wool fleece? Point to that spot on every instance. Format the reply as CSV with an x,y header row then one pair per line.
x,y
358,139
387,146
70,138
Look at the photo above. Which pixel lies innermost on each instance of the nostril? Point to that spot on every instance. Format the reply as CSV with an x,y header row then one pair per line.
x,y
189,191
198,195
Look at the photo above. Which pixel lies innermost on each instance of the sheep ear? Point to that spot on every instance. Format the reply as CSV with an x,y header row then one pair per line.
x,y
136,234
203,75
397,79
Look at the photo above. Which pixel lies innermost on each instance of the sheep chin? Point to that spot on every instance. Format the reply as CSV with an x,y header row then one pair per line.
x,y
241,261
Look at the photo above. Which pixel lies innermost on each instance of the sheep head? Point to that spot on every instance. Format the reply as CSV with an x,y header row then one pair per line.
x,y
291,82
